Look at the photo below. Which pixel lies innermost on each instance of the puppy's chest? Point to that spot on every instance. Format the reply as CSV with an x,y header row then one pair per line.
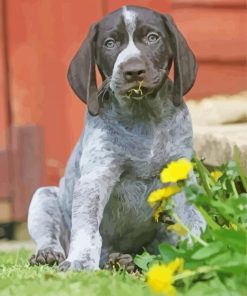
x,y
146,154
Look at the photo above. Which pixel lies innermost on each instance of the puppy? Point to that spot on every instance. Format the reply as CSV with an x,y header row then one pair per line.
x,y
136,123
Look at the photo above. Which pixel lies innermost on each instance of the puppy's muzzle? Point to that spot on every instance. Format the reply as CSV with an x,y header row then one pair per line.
x,y
134,70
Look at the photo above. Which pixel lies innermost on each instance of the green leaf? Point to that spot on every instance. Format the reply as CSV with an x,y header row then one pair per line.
x,y
208,251
208,219
229,262
144,260
232,170
213,287
203,173
192,264
169,253
235,240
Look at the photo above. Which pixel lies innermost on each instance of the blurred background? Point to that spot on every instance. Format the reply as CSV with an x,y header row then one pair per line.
x,y
41,118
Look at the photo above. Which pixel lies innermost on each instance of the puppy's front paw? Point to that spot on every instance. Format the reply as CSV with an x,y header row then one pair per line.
x,y
46,256
73,266
64,266
118,260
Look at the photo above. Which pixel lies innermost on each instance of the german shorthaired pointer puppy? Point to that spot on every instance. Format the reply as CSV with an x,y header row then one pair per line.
x,y
136,123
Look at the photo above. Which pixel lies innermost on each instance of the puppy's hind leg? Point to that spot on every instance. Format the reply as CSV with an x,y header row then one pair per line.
x,y
47,228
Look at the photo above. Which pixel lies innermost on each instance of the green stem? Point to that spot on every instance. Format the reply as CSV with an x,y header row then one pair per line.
x,y
185,274
240,169
189,273
196,238
202,174
234,189
208,219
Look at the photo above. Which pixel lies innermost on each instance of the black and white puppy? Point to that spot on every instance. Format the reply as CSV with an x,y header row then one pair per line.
x,y
136,123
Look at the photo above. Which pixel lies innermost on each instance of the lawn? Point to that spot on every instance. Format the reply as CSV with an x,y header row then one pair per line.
x,y
18,279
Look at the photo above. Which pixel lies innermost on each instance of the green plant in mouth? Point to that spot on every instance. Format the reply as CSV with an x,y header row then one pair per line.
x,y
135,92
216,263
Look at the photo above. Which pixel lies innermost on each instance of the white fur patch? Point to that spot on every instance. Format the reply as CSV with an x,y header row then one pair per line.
x,y
129,20
82,244
131,50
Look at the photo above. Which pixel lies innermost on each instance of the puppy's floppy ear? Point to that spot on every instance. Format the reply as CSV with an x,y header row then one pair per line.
x,y
185,65
81,73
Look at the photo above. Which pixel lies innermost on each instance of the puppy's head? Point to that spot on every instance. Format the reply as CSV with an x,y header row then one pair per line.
x,y
134,49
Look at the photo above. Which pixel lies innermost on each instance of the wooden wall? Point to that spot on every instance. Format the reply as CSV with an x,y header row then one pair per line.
x,y
217,32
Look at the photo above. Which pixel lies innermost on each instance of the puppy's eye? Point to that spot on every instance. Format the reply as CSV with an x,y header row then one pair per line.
x,y
110,43
152,37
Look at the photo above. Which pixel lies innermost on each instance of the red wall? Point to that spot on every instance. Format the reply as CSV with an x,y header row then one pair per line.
x,y
42,38
4,116
217,32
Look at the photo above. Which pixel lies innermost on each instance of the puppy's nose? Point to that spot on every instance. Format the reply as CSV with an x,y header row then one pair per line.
x,y
134,70
136,75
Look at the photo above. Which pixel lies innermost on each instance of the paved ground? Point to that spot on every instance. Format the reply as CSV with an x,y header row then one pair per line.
x,y
216,143
16,245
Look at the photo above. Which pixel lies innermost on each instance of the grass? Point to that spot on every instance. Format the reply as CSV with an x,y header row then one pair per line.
x,y
17,278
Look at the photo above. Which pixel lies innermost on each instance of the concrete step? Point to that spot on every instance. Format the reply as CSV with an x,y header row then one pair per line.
x,y
220,124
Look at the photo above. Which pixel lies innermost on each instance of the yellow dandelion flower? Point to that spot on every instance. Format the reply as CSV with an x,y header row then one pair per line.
x,y
176,265
162,194
176,171
216,175
157,212
160,279
177,228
